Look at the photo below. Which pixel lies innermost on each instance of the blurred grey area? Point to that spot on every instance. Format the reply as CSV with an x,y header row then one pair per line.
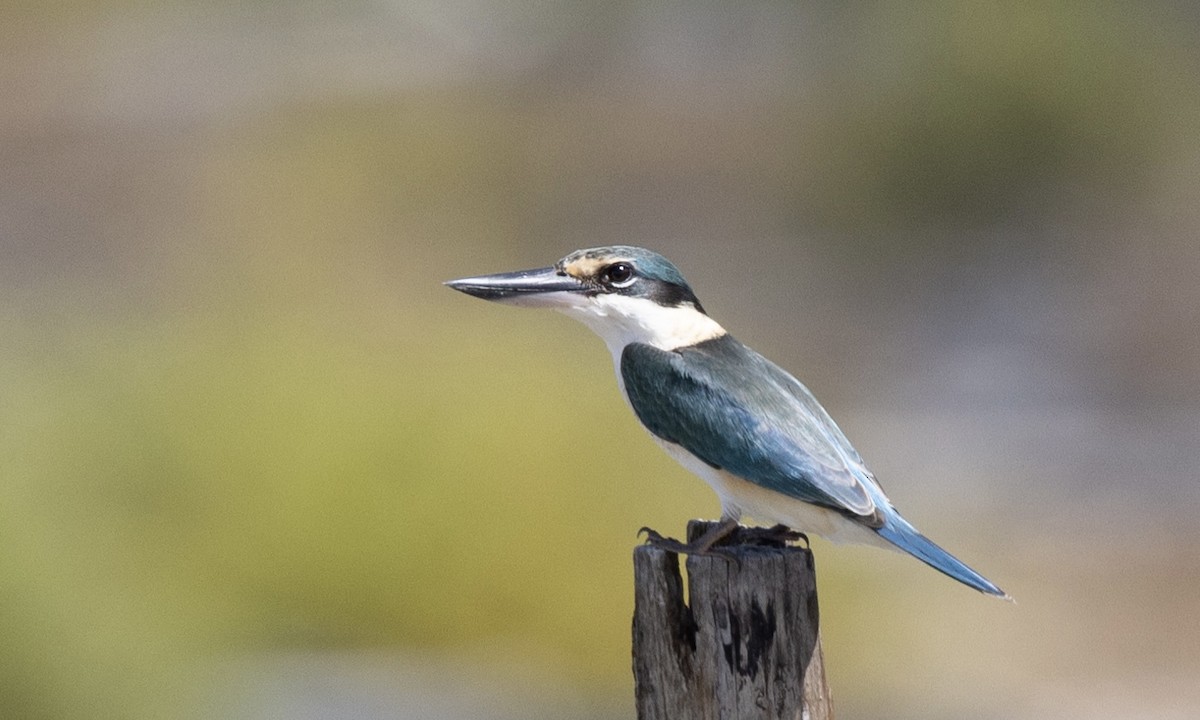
x,y
972,229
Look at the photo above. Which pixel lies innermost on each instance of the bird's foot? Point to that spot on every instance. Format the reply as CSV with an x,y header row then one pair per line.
x,y
698,547
783,534
713,540
706,544
658,540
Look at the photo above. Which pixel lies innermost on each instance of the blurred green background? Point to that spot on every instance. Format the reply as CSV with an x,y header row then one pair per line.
x,y
256,462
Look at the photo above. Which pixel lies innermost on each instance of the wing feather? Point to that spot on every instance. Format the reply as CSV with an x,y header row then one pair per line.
x,y
736,410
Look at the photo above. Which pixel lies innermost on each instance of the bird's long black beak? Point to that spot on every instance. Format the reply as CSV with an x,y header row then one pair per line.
x,y
521,287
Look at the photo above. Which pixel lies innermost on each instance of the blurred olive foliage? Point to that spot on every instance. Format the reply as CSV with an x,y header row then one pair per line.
x,y
963,111
270,454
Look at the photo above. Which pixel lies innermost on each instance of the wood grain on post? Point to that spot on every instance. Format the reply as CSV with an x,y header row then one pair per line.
x,y
747,643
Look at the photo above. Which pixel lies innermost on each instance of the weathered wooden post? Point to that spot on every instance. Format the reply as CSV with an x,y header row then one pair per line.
x,y
746,645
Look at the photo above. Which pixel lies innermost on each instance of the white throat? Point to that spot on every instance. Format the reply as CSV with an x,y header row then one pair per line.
x,y
621,320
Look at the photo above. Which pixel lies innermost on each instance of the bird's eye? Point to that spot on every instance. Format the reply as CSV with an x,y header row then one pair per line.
x,y
618,275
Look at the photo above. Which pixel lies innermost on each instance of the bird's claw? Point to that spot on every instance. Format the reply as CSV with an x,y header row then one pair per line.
x,y
784,534
658,540
650,533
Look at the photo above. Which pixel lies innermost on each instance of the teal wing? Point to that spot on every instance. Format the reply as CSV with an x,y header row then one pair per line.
x,y
736,410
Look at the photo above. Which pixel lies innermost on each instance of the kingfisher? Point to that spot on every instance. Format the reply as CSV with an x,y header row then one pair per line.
x,y
748,428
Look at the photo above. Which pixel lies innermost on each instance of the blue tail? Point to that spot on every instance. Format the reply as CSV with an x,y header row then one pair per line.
x,y
904,536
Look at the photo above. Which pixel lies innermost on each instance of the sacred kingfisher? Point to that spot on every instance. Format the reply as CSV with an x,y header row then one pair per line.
x,y
743,424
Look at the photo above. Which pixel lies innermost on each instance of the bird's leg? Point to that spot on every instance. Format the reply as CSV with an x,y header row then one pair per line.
x,y
702,545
